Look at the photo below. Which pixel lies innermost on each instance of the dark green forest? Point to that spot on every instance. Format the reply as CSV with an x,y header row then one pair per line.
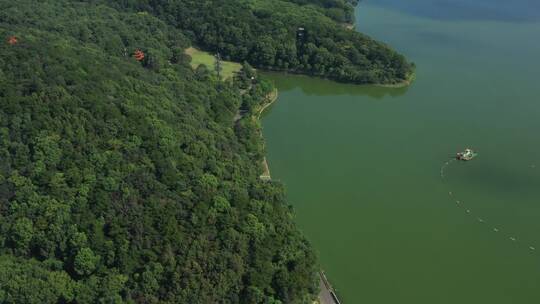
x,y
135,181
126,181
338,10
297,36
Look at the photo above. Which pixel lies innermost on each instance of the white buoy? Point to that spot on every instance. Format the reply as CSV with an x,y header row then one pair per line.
x,y
468,211
457,202
480,220
495,229
532,248
512,239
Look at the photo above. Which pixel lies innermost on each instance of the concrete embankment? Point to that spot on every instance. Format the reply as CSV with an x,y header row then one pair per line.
x,y
327,294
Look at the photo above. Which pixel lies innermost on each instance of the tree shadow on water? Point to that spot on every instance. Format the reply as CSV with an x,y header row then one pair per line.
x,y
324,87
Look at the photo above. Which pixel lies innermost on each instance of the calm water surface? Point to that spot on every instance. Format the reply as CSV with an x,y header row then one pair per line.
x,y
362,165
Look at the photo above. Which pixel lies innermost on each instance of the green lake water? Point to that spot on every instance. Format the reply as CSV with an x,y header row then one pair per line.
x,y
362,164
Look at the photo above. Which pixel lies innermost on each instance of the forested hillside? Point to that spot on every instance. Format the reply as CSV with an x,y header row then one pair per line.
x,y
128,177
299,36
338,10
128,181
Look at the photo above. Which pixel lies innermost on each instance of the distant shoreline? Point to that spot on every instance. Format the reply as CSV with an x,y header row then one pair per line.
x,y
405,83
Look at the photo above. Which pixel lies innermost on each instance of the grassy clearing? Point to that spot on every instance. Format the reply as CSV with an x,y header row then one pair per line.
x,y
199,57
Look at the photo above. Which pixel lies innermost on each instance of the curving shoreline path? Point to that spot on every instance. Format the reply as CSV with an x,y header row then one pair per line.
x,y
272,97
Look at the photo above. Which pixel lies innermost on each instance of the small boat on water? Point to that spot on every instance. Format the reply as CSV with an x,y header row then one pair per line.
x,y
466,155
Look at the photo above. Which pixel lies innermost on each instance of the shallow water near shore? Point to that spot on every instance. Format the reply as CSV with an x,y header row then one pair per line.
x,y
362,164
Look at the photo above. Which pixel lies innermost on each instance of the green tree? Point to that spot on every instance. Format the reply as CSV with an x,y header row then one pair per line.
x,y
21,235
85,261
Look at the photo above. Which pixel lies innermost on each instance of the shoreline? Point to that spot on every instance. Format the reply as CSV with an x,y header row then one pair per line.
x,y
399,85
271,98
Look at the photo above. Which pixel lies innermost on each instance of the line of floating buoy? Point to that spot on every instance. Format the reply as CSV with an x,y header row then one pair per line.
x,y
458,203
444,166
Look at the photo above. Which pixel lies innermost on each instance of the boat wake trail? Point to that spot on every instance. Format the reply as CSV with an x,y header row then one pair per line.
x,y
462,205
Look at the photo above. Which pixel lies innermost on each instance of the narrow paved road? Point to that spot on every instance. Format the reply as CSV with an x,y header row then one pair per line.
x,y
325,297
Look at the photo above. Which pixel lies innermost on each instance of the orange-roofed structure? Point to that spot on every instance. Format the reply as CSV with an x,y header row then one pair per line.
x,y
139,55
13,40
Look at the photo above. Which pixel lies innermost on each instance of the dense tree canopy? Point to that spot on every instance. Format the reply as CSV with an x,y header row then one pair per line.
x,y
300,36
338,10
127,181
128,177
